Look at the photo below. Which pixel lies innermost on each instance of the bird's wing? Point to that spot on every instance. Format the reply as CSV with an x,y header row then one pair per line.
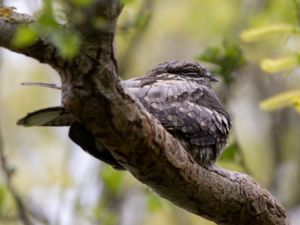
x,y
82,137
187,110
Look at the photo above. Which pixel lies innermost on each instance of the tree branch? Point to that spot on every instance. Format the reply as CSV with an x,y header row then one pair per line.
x,y
92,91
42,49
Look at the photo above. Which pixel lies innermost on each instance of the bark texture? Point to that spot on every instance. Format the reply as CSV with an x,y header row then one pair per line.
x,y
91,91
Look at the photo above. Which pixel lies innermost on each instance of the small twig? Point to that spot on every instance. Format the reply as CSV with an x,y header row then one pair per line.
x,y
225,93
297,11
38,215
242,160
8,176
39,84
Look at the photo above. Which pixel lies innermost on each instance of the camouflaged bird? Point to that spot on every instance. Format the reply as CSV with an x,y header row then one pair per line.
x,y
178,94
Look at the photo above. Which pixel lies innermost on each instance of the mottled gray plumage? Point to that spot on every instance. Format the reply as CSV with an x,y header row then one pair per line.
x,y
178,94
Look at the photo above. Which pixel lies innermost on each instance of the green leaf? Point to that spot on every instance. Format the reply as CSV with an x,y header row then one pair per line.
x,y
82,2
125,2
142,20
228,58
3,193
296,104
257,34
106,215
113,179
153,203
47,20
288,98
67,42
229,153
24,36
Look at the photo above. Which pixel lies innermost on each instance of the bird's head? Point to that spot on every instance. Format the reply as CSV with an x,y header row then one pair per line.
x,y
186,69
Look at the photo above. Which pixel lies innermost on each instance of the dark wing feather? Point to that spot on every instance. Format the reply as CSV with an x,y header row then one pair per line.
x,y
82,137
191,112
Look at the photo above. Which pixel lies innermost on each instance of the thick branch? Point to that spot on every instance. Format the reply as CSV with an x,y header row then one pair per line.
x,y
92,92
154,157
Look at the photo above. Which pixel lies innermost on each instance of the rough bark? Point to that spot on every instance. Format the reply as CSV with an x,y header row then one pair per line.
x,y
91,91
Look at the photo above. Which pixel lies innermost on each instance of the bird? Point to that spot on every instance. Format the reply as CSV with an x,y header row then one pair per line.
x,y
178,94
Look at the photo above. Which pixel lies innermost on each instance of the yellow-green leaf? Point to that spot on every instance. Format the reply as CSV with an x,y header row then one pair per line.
x,y
67,42
82,2
127,1
296,103
113,179
289,98
276,65
24,36
256,34
154,203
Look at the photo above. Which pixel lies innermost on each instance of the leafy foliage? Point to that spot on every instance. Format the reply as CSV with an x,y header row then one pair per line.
x,y
112,179
153,203
292,61
3,192
127,1
228,58
260,33
229,153
67,40
168,34
25,36
82,2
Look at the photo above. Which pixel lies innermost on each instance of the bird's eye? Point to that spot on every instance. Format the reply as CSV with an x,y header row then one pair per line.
x,y
190,72
187,71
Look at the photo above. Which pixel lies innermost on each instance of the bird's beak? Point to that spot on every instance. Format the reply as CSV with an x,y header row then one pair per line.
x,y
213,78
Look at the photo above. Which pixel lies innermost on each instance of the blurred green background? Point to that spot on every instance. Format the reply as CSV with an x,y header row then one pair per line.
x,y
253,45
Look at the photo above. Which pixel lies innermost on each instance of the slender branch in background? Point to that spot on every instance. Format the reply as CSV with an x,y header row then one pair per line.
x,y
23,210
225,92
8,177
37,214
142,19
243,162
7,172
297,11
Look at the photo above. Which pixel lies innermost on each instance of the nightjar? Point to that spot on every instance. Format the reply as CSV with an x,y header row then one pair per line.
x,y
178,94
